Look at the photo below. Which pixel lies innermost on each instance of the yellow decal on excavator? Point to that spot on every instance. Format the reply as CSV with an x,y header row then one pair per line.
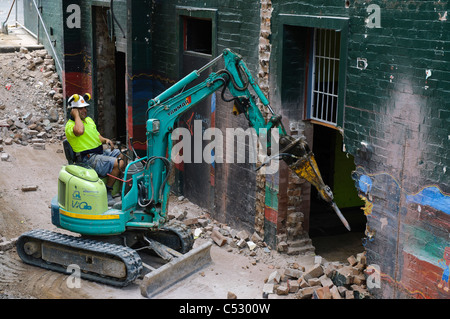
x,y
88,216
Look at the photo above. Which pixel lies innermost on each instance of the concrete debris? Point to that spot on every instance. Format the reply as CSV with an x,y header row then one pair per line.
x,y
321,280
6,244
325,280
29,188
335,281
274,278
218,238
31,107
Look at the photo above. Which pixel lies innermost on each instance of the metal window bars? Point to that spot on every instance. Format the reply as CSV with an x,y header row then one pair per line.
x,y
324,95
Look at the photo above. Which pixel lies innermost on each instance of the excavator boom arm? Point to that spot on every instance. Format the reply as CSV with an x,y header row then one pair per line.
x,y
165,109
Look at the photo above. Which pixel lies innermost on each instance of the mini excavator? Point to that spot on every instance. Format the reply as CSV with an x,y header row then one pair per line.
x,y
113,238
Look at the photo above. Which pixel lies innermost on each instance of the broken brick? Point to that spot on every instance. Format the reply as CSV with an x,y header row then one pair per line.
x,y
231,295
303,283
342,290
243,235
359,279
344,276
325,281
29,188
352,260
335,293
274,278
218,238
314,282
349,294
241,243
306,293
322,293
314,272
293,273
190,221
293,286
359,292
282,290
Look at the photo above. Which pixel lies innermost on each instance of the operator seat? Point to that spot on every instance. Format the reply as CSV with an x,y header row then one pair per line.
x,y
68,151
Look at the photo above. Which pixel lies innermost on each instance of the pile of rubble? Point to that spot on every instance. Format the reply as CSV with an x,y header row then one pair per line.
x,y
31,100
324,280
223,235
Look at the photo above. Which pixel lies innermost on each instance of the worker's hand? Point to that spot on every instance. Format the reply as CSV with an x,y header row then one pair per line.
x,y
74,112
110,143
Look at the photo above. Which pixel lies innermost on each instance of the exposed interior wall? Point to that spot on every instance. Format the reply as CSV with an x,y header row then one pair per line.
x,y
105,73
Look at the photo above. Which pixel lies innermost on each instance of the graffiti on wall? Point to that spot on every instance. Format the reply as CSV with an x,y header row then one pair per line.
x,y
418,221
445,264
431,196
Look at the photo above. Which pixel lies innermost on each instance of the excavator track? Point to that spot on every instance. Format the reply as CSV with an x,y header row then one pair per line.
x,y
102,262
175,235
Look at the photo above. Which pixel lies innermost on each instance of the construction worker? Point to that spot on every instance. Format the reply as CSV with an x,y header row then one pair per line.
x,y
87,143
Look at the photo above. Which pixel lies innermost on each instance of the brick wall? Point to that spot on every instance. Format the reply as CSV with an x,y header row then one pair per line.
x,y
396,125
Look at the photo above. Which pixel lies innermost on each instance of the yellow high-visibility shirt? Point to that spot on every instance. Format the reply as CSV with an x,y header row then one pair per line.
x,y
88,140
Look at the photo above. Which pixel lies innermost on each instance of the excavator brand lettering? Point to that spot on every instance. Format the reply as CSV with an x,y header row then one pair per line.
x,y
186,102
81,205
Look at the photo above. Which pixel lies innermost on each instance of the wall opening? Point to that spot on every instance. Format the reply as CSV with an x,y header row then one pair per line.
x,y
329,236
121,133
198,35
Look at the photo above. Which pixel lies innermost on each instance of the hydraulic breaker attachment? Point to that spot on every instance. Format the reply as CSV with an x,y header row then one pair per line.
x,y
306,167
181,266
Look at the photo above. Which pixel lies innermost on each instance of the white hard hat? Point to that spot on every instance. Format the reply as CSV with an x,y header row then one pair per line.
x,y
78,101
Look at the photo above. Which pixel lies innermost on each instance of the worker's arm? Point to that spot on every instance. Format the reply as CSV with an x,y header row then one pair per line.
x,y
106,141
78,129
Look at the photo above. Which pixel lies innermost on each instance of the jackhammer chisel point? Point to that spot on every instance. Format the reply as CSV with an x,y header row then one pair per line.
x,y
341,217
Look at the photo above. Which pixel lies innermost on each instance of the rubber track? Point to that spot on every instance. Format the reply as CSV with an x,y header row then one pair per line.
x,y
128,256
184,234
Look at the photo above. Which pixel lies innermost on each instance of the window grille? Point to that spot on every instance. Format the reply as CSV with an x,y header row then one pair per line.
x,y
324,95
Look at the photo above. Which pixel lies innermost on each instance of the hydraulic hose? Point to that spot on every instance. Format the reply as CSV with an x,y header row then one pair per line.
x,y
168,167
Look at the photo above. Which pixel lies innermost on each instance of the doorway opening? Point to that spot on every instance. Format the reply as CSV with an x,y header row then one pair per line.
x,y
329,236
109,79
